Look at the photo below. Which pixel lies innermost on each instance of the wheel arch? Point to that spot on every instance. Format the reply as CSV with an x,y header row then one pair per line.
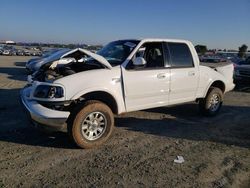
x,y
104,97
219,84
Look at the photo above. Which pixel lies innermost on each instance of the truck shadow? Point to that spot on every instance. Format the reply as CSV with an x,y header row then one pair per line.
x,y
230,127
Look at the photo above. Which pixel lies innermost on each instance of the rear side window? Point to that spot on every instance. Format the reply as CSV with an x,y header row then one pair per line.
x,y
180,55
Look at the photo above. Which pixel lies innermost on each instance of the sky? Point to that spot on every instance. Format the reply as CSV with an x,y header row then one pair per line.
x,y
215,23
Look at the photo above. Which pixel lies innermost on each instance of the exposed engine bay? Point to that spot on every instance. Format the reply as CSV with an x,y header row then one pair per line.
x,y
70,64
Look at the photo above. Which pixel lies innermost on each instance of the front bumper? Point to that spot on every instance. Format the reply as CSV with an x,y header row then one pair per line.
x,y
46,118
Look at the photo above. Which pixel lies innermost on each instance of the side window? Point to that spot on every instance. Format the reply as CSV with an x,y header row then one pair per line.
x,y
153,55
180,55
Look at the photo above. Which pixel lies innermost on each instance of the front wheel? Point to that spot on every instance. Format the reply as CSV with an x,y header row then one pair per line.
x,y
92,125
211,105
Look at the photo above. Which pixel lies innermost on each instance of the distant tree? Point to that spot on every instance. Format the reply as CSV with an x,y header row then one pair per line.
x,y
242,51
201,49
71,46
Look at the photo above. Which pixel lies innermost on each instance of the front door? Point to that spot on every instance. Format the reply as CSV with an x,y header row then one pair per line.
x,y
147,86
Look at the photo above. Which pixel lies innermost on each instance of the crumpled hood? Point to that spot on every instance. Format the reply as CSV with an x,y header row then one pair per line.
x,y
97,57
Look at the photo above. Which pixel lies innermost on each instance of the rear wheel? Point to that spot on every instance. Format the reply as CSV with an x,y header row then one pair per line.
x,y
92,125
211,105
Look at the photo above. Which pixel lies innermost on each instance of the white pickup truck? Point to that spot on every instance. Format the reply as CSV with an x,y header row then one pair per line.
x,y
80,92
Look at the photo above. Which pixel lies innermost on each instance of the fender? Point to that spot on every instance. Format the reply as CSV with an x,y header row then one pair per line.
x,y
211,83
207,77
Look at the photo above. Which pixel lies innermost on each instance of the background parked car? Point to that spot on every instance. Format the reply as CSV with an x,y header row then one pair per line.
x,y
13,52
6,52
36,53
20,53
27,53
242,71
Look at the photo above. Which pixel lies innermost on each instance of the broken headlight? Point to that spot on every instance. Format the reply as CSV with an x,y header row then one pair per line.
x,y
47,91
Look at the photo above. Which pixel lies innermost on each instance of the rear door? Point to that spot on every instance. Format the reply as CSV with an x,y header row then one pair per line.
x,y
184,74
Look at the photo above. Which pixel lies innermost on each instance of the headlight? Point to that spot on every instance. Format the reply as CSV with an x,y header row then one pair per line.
x,y
46,91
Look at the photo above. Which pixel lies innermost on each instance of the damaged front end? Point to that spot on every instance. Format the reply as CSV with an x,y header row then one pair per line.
x,y
42,116
46,100
75,61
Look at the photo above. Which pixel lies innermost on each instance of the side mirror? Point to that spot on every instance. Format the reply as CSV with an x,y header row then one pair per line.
x,y
139,61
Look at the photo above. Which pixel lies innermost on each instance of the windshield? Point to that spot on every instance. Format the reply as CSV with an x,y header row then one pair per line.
x,y
117,52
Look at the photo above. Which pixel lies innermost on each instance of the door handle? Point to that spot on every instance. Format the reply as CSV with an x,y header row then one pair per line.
x,y
191,73
161,76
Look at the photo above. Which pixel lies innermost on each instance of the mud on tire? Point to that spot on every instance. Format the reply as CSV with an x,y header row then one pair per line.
x,y
92,124
211,104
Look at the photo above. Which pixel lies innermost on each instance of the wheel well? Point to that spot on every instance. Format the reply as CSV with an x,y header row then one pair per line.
x,y
104,97
219,84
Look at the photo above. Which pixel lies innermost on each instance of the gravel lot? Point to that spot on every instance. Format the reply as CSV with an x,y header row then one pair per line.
x,y
139,154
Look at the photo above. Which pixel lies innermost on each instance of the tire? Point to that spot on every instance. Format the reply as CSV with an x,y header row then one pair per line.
x,y
211,104
92,125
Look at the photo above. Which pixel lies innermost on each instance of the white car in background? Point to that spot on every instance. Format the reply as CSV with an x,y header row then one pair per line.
x,y
6,52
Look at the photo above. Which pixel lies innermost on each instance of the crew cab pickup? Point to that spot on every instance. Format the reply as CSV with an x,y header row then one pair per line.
x,y
80,92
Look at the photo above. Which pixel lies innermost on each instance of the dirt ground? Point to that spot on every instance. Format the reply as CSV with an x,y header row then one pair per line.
x,y
139,154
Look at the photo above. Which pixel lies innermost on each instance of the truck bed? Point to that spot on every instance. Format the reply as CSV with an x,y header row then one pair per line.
x,y
216,65
225,68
